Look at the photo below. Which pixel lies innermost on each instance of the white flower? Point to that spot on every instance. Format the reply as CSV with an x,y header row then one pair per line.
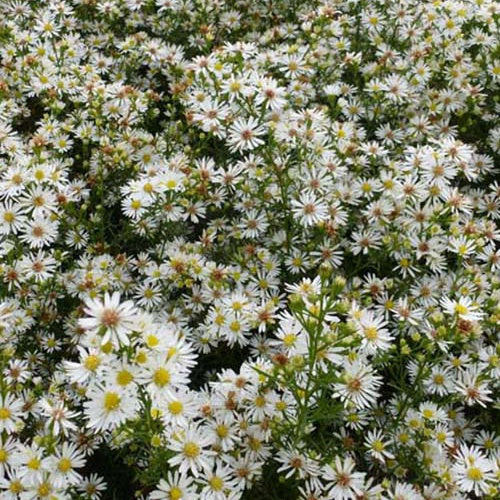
x,y
342,480
464,308
377,445
191,453
244,134
373,333
296,463
39,232
178,408
473,470
63,464
114,319
58,417
404,491
8,447
10,413
175,486
474,390
108,407
219,484
90,363
359,385
309,209
30,463
92,486
305,287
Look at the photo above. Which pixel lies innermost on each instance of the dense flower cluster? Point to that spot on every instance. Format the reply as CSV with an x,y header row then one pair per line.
x,y
249,248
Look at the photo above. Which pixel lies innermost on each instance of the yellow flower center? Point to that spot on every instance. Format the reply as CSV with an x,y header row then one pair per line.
x,y
64,464
111,401
175,407
488,444
191,450
161,377
141,357
92,362
235,326
216,483
235,86
152,341
222,431
44,489
280,405
8,217
254,444
34,463
441,437
39,175
175,493
260,401
474,473
16,486
428,413
124,377
5,413
404,438
371,333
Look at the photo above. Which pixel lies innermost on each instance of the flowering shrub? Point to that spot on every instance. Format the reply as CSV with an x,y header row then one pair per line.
x,y
249,249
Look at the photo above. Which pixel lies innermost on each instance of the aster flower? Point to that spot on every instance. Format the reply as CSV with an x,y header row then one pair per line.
x,y
63,465
114,320
309,209
373,333
107,407
10,413
191,453
245,134
359,385
174,486
472,388
343,482
474,471
92,486
377,446
464,308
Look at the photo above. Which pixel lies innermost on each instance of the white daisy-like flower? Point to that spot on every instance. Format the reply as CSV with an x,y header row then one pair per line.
x,y
378,446
374,334
109,406
10,413
92,486
191,453
309,209
58,417
343,481
114,320
244,134
63,464
175,487
464,308
359,385
475,473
